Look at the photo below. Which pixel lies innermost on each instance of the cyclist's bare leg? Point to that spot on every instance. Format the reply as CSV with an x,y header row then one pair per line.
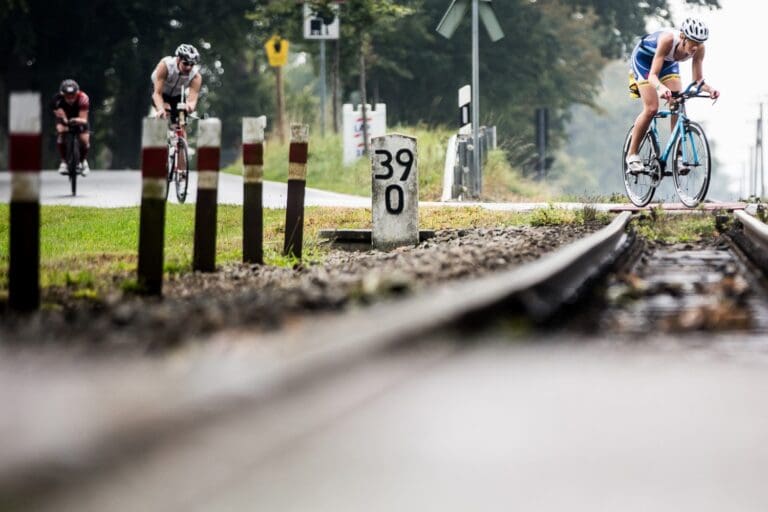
x,y
62,147
675,85
643,120
85,145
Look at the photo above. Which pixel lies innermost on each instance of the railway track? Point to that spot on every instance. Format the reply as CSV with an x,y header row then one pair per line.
x,y
715,285
119,410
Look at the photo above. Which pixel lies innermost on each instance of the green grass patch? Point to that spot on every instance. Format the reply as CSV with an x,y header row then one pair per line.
x,y
92,250
660,226
326,171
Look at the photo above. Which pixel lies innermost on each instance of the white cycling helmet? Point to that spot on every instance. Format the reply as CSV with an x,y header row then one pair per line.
x,y
188,53
695,30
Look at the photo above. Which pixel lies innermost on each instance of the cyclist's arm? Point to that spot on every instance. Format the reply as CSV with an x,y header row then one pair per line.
x,y
193,93
663,48
83,104
697,66
61,117
61,120
82,117
160,74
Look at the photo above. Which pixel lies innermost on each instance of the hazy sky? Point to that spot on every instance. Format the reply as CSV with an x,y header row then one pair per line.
x,y
735,64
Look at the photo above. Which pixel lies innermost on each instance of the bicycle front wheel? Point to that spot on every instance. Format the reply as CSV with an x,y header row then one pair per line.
x,y
73,160
181,178
641,186
692,165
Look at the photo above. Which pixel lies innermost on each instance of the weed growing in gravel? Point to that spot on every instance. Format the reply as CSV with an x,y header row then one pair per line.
x,y
660,226
551,216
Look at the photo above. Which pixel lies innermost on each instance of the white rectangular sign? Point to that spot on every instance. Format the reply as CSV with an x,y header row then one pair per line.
x,y
352,128
395,190
318,27
465,110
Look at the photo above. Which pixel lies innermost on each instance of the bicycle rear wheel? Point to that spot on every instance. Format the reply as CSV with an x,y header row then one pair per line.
x,y
692,165
181,178
73,160
170,169
641,186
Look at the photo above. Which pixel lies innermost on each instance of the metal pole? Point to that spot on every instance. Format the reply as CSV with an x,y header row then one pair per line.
x,y
761,153
475,87
751,171
322,88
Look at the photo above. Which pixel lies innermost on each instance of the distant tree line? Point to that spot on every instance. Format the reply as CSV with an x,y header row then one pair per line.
x,y
551,56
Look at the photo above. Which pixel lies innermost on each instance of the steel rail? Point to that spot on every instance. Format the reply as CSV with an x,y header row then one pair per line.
x,y
752,240
754,229
115,407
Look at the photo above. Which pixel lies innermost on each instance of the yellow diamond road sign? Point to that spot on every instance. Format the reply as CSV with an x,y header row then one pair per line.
x,y
277,51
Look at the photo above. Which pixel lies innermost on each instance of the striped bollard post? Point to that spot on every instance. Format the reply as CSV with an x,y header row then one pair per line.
x,y
208,152
253,175
154,157
297,181
24,162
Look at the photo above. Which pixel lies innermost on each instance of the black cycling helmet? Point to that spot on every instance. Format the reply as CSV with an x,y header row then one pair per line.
x,y
188,53
69,86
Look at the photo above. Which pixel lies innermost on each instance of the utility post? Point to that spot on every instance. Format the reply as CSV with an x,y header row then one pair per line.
x,y
321,25
759,165
481,10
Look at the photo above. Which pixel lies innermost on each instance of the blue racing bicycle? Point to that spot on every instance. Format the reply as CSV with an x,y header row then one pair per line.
x,y
686,152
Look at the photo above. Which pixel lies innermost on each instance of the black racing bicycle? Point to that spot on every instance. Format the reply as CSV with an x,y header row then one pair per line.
x,y
178,153
72,145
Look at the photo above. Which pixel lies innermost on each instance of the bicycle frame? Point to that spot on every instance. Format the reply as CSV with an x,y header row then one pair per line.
x,y
178,150
680,130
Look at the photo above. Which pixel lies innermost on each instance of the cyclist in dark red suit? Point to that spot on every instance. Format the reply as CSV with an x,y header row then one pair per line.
x,y
71,105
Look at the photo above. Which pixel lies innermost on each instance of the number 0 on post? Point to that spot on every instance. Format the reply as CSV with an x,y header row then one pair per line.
x,y
395,191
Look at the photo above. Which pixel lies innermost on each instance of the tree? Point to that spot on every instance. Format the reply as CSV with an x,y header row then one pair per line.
x,y
551,56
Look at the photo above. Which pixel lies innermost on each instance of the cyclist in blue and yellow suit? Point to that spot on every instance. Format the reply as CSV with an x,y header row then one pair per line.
x,y
655,73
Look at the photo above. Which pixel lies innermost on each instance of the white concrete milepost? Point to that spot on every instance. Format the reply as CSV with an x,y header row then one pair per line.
x,y
395,191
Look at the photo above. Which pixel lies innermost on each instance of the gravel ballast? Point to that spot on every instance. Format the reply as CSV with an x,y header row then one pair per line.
x,y
265,297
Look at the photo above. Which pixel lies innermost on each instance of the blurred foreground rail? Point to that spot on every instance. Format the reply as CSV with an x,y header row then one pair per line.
x,y
338,411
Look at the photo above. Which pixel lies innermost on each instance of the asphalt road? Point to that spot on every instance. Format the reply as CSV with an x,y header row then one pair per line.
x,y
111,189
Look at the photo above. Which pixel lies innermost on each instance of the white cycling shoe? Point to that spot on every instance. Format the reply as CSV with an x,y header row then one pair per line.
x,y
63,170
83,168
634,163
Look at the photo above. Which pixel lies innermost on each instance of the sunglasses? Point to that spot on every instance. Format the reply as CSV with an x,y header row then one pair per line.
x,y
187,63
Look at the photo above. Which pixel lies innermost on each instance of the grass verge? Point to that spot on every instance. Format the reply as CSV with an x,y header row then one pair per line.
x,y
326,171
93,250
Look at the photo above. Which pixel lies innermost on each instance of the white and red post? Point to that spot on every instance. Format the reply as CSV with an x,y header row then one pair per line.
x,y
297,182
25,160
253,183
208,154
154,161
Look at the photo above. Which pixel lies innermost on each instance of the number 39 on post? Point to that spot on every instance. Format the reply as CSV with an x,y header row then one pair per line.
x,y
395,191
